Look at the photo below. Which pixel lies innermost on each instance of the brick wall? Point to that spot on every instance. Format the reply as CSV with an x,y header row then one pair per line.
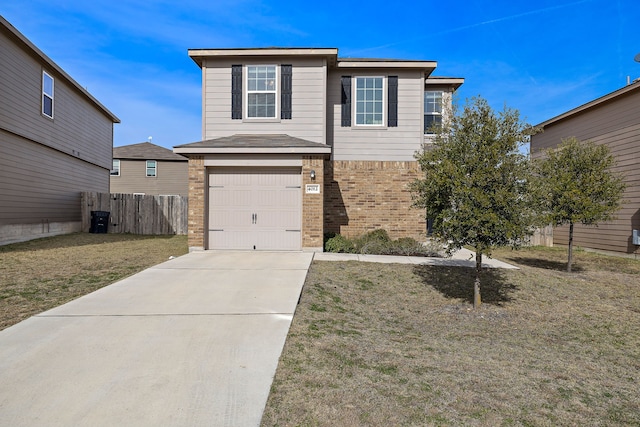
x,y
197,191
361,196
312,204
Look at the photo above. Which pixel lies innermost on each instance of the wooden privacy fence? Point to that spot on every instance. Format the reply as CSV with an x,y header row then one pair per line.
x,y
137,214
542,237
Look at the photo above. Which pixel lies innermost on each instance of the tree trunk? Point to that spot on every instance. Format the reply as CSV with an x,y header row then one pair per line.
x,y
570,247
477,301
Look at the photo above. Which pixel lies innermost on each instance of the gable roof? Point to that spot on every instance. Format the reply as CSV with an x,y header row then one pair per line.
x,y
29,47
610,97
146,151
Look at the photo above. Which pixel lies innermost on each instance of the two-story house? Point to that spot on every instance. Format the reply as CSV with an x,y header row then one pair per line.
x,y
146,168
612,120
298,142
55,142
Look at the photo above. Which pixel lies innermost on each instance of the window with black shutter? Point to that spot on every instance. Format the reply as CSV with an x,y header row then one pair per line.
x,y
236,91
285,94
392,119
346,101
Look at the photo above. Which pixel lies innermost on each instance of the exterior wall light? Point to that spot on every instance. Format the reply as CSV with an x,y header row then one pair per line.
x,y
313,175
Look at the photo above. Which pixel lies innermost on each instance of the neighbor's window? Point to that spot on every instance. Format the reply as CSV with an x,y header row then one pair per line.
x,y
261,91
115,169
432,111
47,95
369,101
152,168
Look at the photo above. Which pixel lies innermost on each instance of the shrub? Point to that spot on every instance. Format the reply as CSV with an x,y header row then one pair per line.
x,y
377,242
339,244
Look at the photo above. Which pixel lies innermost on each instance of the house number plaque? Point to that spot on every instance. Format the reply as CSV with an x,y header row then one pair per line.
x,y
312,188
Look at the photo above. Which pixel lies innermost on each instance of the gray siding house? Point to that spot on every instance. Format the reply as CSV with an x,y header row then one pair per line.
x,y
147,168
298,142
614,120
55,142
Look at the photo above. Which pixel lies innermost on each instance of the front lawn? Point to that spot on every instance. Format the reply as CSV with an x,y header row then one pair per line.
x,y
400,345
41,274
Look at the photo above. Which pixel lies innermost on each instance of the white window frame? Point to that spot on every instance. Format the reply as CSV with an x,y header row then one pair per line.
x,y
383,102
432,113
115,167
46,95
275,91
154,168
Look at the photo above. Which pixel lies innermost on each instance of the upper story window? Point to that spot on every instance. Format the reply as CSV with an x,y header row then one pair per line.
x,y
47,94
369,101
432,111
115,169
152,168
261,91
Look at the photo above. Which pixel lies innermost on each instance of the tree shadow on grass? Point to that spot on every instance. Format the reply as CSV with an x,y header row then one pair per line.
x,y
457,283
546,264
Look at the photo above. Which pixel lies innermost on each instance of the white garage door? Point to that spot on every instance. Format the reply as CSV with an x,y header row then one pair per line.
x,y
255,209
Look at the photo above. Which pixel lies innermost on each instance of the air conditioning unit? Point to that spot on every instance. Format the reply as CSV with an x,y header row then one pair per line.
x,y
636,237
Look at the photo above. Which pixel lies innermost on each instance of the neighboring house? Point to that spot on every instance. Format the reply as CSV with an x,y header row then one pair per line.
x,y
55,142
147,168
298,143
614,120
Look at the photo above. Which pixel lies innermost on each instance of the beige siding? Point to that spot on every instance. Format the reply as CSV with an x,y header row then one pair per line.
x,y
77,129
386,144
41,184
172,178
616,124
308,100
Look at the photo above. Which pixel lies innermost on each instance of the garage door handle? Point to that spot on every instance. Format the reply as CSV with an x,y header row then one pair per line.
x,y
254,218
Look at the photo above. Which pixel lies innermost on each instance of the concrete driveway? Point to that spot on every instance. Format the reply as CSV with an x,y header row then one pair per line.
x,y
194,341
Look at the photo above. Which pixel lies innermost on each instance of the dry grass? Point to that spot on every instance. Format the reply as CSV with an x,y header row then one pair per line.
x,y
399,345
41,274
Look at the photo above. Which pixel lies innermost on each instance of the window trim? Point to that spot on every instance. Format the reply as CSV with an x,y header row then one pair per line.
x,y
155,168
432,113
46,95
114,168
354,102
277,92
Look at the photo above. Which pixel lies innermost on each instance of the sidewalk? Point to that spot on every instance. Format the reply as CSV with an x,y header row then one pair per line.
x,y
462,258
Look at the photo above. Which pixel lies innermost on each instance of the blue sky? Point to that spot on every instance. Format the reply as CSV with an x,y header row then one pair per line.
x,y
542,57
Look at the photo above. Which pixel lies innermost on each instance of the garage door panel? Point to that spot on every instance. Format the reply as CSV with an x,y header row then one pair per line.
x,y
277,198
255,208
228,197
230,219
270,240
278,221
232,240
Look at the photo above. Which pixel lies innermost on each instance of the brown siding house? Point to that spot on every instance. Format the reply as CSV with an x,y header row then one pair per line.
x,y
55,142
298,142
614,120
147,168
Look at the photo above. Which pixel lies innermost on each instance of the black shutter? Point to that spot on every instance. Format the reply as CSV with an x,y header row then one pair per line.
x,y
392,98
346,101
236,91
285,91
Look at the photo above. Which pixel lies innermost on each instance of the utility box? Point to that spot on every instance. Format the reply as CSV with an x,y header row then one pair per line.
x,y
636,237
99,222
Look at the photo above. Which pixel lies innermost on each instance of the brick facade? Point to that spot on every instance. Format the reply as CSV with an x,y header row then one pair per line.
x,y
197,203
355,197
312,204
361,196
